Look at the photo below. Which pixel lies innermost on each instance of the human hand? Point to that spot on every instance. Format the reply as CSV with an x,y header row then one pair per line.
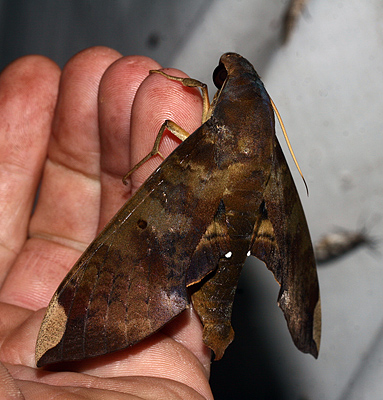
x,y
77,140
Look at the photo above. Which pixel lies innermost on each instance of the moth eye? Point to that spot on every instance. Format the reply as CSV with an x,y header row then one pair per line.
x,y
142,224
248,253
219,76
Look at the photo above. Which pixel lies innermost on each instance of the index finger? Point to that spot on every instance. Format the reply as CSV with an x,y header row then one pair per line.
x,y
125,138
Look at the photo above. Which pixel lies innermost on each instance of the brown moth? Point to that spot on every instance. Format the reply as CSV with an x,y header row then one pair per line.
x,y
293,12
223,194
334,245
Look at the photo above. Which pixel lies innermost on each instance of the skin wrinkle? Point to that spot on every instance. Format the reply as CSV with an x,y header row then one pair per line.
x,y
61,240
67,168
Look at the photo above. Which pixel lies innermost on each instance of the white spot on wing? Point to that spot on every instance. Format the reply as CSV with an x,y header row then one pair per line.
x,y
228,254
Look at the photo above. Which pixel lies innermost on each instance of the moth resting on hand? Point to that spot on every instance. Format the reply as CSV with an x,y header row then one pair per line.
x,y
223,194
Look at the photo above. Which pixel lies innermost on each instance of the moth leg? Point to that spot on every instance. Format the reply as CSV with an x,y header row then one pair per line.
x,y
190,82
175,129
170,125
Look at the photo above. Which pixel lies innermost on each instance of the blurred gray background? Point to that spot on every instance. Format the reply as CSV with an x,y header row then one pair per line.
x,y
327,83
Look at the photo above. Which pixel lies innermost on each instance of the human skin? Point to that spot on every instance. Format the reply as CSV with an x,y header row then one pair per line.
x,y
74,134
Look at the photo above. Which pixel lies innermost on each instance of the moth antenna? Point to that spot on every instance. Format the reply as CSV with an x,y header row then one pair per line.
x,y
288,143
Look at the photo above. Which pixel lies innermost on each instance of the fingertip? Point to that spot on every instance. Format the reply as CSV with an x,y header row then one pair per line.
x,y
28,92
92,59
117,92
118,89
159,99
30,81
31,65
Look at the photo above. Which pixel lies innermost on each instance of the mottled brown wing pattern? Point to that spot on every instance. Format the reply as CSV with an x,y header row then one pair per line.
x,y
132,278
213,297
282,240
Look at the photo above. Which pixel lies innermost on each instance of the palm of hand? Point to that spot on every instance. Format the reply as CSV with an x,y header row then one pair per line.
x,y
72,140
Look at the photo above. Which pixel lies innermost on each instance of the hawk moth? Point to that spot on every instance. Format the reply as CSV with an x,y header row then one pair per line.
x,y
223,194
334,245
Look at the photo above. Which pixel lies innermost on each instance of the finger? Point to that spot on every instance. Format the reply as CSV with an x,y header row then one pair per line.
x,y
8,387
68,207
118,89
158,356
159,99
68,385
18,333
67,211
187,330
28,91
